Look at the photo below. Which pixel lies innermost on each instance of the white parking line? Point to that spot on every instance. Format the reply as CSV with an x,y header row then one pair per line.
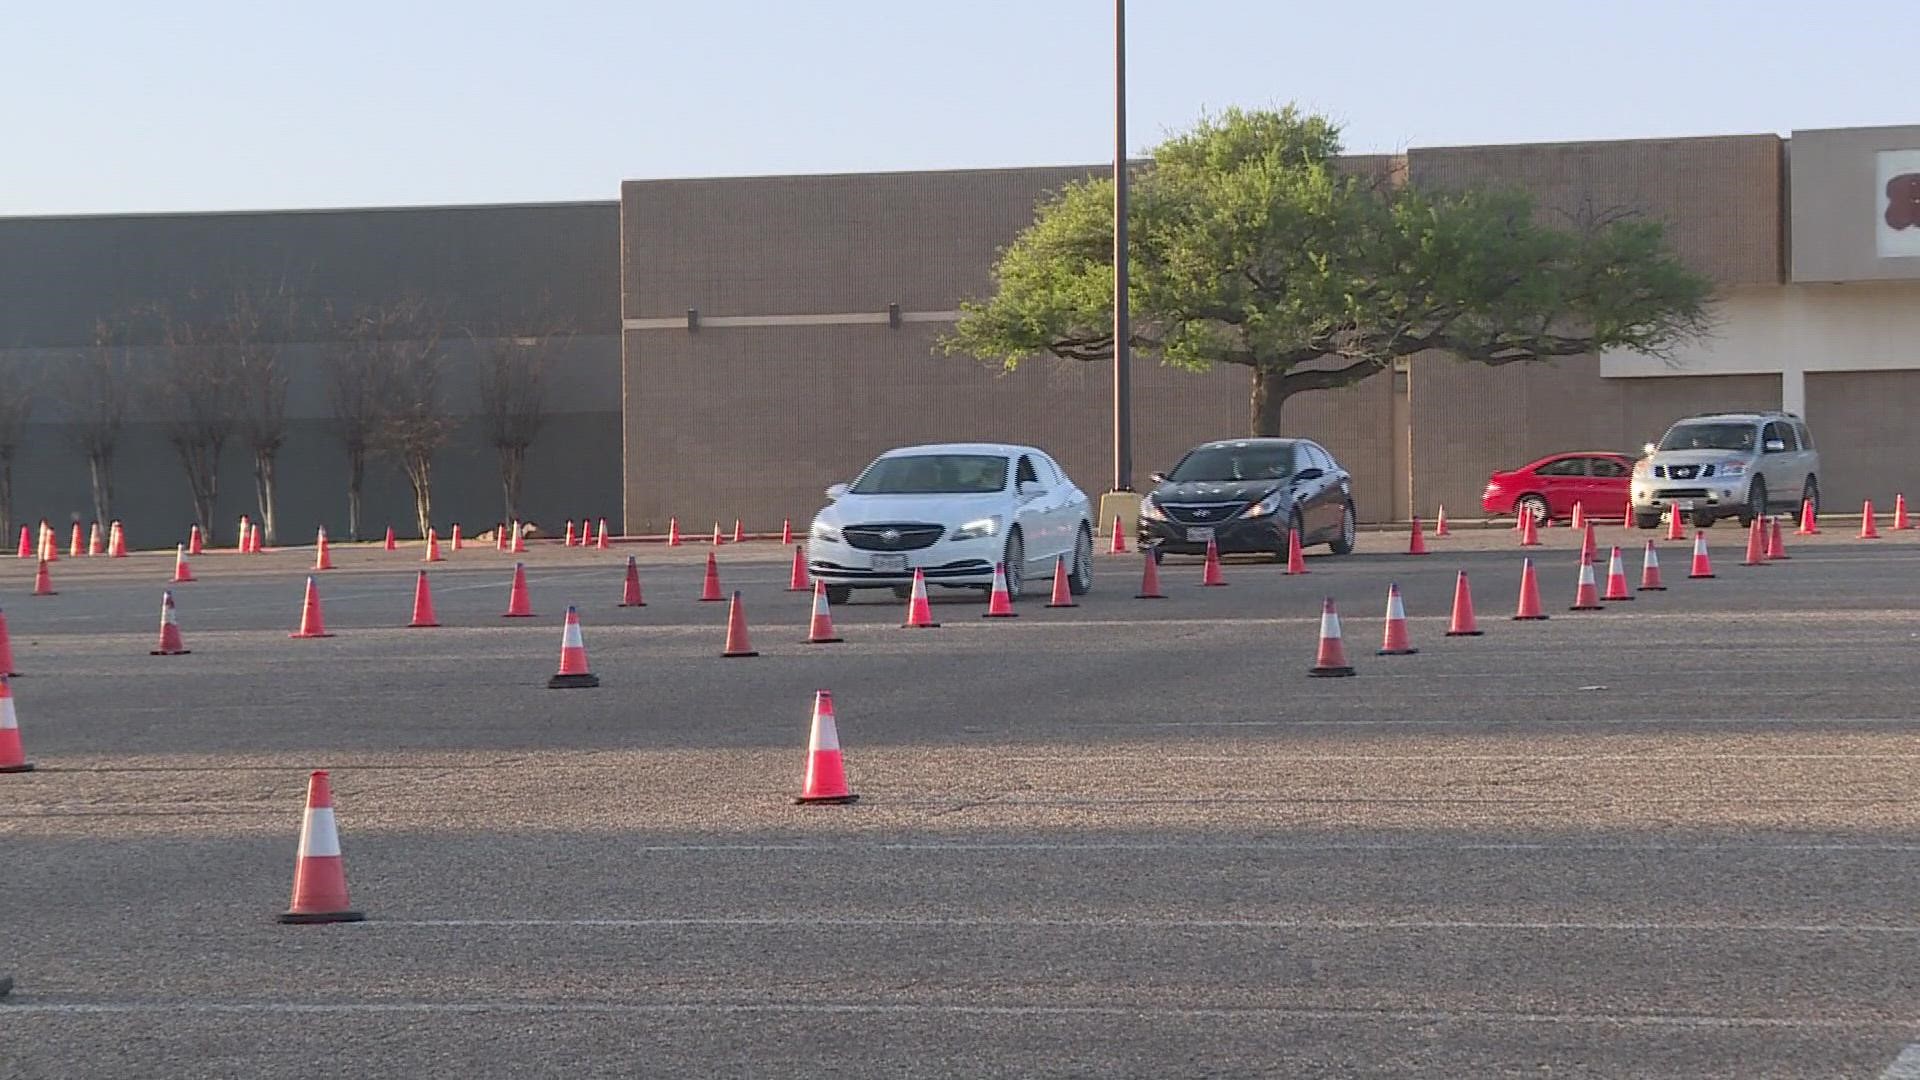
x,y
1156,1009
1150,925
1906,1066
1301,847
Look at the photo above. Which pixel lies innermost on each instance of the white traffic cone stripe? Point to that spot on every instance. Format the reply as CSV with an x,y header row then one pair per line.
x,y
8,720
819,603
1395,609
319,838
1329,625
571,639
1653,554
825,735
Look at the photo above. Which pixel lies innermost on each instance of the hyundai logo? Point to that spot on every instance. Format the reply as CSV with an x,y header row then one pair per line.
x,y
1202,513
891,536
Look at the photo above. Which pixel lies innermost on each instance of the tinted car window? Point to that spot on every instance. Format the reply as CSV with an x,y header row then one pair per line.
x,y
1320,459
1025,474
1709,436
1781,432
1572,466
1806,436
1227,463
1608,467
933,474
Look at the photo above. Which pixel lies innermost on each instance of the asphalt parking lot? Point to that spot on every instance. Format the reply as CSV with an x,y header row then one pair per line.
x,y
1678,837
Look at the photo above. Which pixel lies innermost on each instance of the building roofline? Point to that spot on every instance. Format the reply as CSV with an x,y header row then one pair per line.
x,y
297,211
1573,143
847,175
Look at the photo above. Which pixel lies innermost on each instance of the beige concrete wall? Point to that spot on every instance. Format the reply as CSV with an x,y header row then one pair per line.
x,y
1839,204
1863,425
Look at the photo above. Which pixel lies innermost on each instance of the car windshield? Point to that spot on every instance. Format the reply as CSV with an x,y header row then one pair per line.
x,y
933,474
1708,437
1227,463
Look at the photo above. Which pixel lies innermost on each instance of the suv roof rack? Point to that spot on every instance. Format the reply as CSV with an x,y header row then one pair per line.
x,y
1752,412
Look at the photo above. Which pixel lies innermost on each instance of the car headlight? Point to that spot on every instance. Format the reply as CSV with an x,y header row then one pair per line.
x,y
825,532
1151,510
1734,468
1265,506
974,530
1642,469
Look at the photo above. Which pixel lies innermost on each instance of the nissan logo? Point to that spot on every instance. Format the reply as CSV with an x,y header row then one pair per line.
x,y
891,536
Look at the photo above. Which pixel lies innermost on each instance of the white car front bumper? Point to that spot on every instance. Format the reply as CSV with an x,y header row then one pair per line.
x,y
947,562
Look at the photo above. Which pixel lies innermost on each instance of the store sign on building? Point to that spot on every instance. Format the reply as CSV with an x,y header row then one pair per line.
x,y
1897,185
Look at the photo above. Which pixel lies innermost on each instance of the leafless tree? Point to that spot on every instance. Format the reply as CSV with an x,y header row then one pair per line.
x,y
513,393
254,325
16,401
199,385
357,379
94,389
416,423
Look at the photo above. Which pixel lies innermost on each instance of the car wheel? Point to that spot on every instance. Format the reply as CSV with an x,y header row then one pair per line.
x,y
1535,505
1702,519
1756,507
1810,493
839,594
903,592
1015,559
1646,521
1080,577
1349,532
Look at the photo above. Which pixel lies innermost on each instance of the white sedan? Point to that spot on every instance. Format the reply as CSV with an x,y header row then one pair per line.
x,y
952,511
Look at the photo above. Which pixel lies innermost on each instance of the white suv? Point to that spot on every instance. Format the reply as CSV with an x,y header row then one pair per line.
x,y
952,511
1717,465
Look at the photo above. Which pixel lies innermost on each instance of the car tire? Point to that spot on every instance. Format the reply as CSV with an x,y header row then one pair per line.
x,y
1080,575
903,592
839,594
1702,519
1535,505
1756,507
1646,521
1810,493
1343,542
1014,557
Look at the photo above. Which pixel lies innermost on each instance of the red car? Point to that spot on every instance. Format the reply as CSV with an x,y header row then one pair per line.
x,y
1548,488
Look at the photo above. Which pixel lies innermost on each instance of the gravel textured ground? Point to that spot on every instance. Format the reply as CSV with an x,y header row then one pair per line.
x,y
1676,838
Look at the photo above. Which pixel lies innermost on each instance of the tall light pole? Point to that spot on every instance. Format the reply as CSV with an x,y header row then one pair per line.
x,y
1122,368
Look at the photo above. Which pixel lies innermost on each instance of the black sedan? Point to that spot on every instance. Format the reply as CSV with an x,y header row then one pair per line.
x,y
1244,494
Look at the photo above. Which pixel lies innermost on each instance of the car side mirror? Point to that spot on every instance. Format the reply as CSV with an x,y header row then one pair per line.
x,y
1775,446
836,491
1158,478
1028,489
1309,474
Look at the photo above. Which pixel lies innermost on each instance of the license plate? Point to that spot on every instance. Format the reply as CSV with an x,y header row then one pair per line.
x,y
1200,535
1685,504
890,563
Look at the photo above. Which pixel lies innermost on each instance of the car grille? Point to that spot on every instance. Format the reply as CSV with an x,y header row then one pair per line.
x,y
1203,513
892,537
1680,493
1683,472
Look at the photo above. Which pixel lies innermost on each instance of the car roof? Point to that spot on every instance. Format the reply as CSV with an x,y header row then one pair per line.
x,y
1556,456
1220,443
1736,417
1006,449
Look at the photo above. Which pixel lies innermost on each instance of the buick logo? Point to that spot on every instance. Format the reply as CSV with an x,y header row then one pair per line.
x,y
891,536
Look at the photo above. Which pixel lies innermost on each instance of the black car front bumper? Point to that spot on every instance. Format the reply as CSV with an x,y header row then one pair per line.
x,y
1264,535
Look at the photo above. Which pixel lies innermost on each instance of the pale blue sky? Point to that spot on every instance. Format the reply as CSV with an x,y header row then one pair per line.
x,y
199,105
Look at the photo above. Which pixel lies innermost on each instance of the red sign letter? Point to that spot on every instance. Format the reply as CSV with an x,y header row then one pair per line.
x,y
1903,201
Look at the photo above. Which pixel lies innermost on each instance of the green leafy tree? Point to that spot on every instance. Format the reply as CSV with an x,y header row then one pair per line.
x,y
1251,244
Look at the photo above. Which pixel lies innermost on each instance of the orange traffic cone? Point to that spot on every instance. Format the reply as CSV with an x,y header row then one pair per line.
x,y
313,622
820,628
737,643
1579,516
1149,577
574,673
717,538
567,540
253,541
1000,601
630,595
1463,623
1529,529
1869,529
919,612
77,543
673,532
1676,526
170,643
500,537
423,616
710,589
1626,516
1210,575
13,756
1617,588
519,604
826,780
96,542
392,544
6,648
1416,539
1529,608
797,575
116,542
1650,570
1900,522
786,531
519,539
26,543
1586,597
1118,545
1331,661
1702,564
1809,524
1756,544
322,555
1296,559
1062,594
1588,549
182,569
196,542
1394,643
603,542
319,875
49,547
1776,542
43,581
739,536
244,546
433,547
454,543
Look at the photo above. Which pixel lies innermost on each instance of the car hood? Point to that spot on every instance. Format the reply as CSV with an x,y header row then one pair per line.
x,y
1203,491
934,509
